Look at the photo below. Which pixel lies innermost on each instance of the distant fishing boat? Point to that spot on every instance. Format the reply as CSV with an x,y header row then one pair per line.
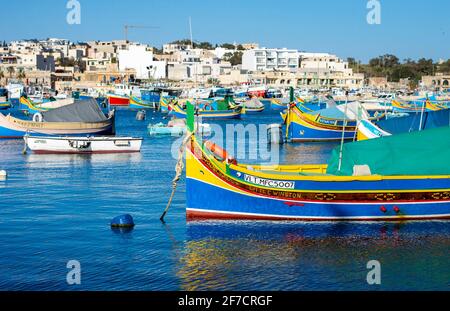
x,y
400,123
82,145
118,100
81,118
367,181
165,103
279,103
425,105
217,109
257,91
5,106
139,103
323,125
26,104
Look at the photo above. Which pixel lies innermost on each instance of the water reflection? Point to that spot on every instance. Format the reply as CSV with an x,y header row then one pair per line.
x,y
305,256
38,160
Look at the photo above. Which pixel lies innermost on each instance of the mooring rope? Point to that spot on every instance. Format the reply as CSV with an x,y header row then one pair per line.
x,y
178,172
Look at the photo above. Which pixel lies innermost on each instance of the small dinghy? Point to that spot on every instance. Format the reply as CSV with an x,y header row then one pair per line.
x,y
82,145
176,127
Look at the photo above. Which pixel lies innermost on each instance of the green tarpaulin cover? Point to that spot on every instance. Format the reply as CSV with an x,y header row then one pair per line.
x,y
417,153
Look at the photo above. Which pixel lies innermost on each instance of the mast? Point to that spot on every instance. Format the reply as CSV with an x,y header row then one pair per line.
x,y
341,151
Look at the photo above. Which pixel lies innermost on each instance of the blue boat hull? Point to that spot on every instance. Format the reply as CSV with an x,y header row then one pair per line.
x,y
298,132
221,204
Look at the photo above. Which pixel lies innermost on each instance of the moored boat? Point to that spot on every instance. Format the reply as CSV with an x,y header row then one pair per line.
x,y
26,104
81,118
5,106
118,100
211,110
331,124
82,145
413,185
425,105
139,103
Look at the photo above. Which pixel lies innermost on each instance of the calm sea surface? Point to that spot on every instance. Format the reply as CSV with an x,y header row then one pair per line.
x,y
54,209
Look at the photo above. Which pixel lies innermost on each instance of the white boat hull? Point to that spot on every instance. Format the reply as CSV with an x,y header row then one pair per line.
x,y
83,145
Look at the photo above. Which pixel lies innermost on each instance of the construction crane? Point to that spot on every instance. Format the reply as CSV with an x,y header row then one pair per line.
x,y
128,27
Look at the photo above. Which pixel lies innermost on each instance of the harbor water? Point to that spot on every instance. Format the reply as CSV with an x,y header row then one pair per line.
x,y
57,208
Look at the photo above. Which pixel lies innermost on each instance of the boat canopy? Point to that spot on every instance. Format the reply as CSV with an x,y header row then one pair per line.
x,y
415,121
349,111
81,111
418,153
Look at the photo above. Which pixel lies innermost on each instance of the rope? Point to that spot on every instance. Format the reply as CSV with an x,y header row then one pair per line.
x,y
178,172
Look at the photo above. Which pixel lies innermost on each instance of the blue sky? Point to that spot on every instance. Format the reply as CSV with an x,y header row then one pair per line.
x,y
409,28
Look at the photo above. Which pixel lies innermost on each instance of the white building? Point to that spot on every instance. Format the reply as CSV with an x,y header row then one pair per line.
x,y
174,47
323,62
270,59
140,58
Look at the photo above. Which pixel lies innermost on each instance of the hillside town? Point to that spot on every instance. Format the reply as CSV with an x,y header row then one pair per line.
x,y
63,65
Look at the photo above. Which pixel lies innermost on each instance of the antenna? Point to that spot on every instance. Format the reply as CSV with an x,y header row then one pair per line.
x,y
190,31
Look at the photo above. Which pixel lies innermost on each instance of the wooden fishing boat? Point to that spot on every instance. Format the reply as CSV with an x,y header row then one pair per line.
x,y
279,103
322,125
364,187
426,105
232,113
118,100
81,118
403,123
82,145
5,106
139,103
26,104
165,103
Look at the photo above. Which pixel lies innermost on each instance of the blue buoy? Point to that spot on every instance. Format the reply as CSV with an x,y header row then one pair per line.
x,y
124,221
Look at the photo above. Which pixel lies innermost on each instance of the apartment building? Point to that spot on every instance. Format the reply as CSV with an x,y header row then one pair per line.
x,y
270,59
140,58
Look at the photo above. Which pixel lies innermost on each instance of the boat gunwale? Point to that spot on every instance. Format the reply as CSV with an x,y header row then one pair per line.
x,y
243,168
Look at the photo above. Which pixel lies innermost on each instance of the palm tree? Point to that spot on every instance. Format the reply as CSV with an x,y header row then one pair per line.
x,y
21,75
2,75
11,71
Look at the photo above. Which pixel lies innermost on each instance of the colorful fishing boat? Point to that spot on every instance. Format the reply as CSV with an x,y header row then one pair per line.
x,y
118,100
81,118
279,103
425,105
217,109
82,145
26,104
403,123
5,106
139,103
331,124
363,187
166,102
